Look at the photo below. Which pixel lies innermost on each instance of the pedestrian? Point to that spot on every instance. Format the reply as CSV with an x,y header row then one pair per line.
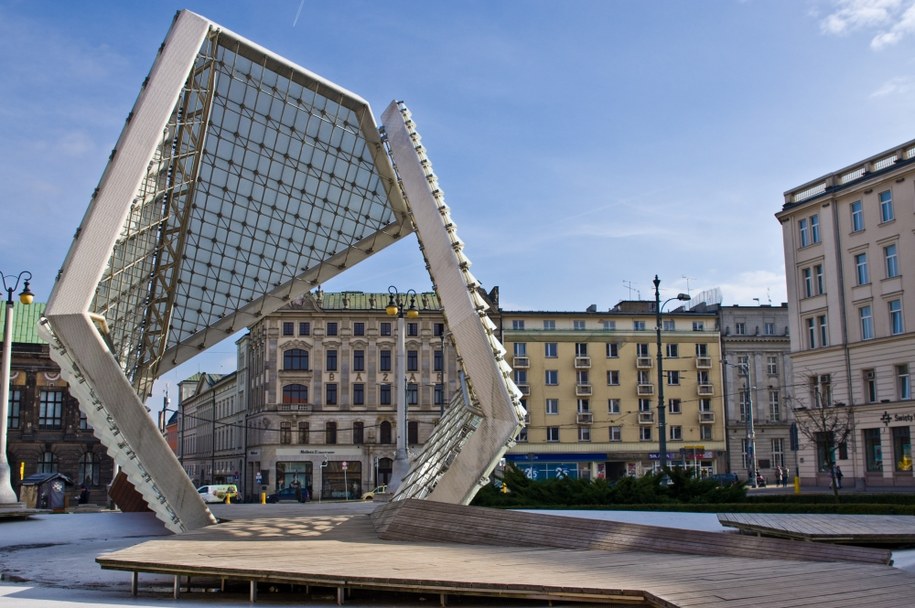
x,y
839,477
785,476
297,487
778,476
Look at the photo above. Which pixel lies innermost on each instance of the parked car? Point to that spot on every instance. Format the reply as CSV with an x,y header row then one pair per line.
x,y
370,495
725,479
287,495
218,492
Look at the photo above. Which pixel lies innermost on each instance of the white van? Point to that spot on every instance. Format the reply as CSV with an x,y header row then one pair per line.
x,y
218,492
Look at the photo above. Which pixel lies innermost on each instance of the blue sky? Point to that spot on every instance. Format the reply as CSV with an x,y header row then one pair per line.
x,y
583,146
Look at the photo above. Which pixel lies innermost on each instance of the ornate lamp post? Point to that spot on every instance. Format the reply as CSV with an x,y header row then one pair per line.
x,y
662,408
395,308
7,495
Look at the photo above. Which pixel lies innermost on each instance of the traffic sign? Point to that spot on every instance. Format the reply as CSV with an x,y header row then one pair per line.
x,y
344,465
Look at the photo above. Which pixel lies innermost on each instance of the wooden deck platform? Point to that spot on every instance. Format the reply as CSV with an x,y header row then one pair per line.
x,y
889,530
346,553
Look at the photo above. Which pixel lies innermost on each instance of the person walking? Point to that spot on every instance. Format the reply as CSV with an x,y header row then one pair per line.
x,y
839,477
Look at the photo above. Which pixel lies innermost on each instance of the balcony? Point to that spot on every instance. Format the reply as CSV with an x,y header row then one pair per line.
x,y
582,390
706,417
585,417
527,419
643,363
521,362
706,390
294,407
645,389
524,388
646,417
703,363
582,362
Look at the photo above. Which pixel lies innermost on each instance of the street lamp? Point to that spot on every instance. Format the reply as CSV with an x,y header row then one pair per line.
x,y
7,495
752,469
662,409
395,308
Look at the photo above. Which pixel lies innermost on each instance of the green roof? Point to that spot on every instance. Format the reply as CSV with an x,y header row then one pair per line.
x,y
359,300
25,321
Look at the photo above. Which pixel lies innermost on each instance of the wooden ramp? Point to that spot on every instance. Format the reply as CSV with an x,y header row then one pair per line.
x,y
345,553
889,530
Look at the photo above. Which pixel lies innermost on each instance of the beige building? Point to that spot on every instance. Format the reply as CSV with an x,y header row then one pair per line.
x,y
590,385
849,240
321,388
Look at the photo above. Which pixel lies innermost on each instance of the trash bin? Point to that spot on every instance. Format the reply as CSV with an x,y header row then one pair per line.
x,y
45,491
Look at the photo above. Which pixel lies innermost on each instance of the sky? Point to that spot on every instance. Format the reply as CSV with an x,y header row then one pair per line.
x,y
583,146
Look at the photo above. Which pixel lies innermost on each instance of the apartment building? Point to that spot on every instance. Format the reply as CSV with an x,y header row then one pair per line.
x,y
590,385
320,382
849,241
758,391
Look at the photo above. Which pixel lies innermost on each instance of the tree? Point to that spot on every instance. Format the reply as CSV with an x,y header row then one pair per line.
x,y
826,425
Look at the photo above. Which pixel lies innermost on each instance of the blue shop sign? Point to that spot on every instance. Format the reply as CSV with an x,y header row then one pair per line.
x,y
522,458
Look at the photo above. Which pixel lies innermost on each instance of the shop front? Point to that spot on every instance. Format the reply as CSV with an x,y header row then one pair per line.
x,y
885,437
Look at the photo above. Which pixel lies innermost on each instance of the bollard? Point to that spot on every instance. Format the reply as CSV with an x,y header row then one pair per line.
x,y
797,484
263,498
228,498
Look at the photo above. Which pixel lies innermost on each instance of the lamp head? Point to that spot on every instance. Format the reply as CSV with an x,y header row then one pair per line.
x,y
392,309
26,296
684,297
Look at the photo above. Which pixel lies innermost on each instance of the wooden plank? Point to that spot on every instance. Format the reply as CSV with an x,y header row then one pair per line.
x,y
834,528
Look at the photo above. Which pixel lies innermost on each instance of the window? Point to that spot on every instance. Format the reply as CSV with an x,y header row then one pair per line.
x,y
358,329
638,325
552,407
584,434
358,433
549,324
330,433
740,328
584,406
520,349
331,328
772,365
385,433
803,228
518,324
673,351
304,328
412,360
47,463
384,361
89,469
861,275
616,433
870,385
777,447
413,432
582,377
412,394
359,360
331,361
674,406
744,403
285,433
578,325
818,278
705,432
551,377
303,433
552,433
673,377
438,394
613,350
608,325
807,278
769,328
815,228
520,376
705,405
645,405
873,452
824,330
438,361
13,419
50,412
702,350
669,325
821,390
288,328
438,330
857,216
902,449
613,406
613,377
892,261
775,408
896,325
676,433
359,394
811,332
698,326
384,395
886,207
385,328
295,359
330,393
550,350
581,349
295,393
644,433
641,349
866,319
413,329
903,385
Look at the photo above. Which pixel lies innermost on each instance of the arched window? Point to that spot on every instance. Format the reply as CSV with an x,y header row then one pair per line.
x,y
295,358
47,463
385,432
89,469
295,393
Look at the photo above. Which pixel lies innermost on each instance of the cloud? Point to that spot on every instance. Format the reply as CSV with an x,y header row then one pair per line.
x,y
901,85
892,19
